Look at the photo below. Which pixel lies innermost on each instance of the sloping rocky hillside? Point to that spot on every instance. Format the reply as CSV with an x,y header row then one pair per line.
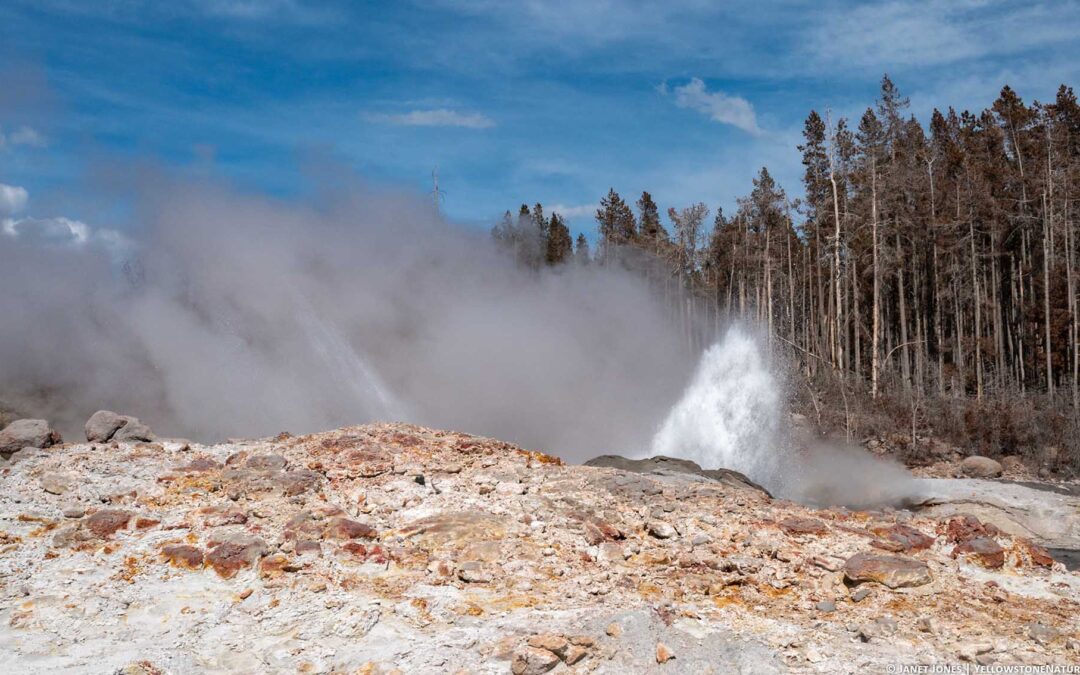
x,y
393,548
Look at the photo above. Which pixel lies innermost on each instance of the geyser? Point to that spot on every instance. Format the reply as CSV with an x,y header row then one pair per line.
x,y
732,416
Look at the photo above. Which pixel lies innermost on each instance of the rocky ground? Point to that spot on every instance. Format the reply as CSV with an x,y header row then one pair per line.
x,y
393,548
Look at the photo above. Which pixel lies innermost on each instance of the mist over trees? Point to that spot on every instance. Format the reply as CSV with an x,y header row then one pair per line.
x,y
938,260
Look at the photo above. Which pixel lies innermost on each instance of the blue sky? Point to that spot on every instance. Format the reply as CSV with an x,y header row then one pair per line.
x,y
514,101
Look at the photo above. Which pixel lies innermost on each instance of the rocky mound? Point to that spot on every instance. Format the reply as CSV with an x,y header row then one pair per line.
x,y
393,548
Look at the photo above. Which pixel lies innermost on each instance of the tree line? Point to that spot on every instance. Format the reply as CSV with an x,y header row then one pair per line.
x,y
941,258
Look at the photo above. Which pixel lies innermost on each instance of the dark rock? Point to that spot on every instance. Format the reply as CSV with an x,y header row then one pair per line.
x,y
888,570
660,464
27,433
103,425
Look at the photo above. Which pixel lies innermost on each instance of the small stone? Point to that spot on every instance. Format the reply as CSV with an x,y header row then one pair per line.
x,y
826,606
663,653
798,526
983,549
574,654
968,651
343,528
231,555
583,640
860,594
473,573
660,529
613,630
57,483
555,644
183,556
881,627
74,512
533,661
107,522
245,594
1042,634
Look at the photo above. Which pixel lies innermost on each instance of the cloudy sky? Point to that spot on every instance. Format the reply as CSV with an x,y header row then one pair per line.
x,y
514,101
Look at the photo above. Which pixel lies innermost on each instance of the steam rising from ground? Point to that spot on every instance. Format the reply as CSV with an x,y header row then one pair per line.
x,y
238,316
732,416
233,315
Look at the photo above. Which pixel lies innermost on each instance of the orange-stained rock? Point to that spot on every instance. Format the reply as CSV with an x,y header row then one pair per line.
x,y
983,549
183,556
107,522
890,570
234,554
343,528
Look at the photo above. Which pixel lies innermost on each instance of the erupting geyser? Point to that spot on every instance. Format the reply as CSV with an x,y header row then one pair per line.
x,y
729,415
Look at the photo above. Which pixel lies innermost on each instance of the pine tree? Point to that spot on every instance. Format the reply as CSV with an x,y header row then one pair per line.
x,y
653,234
559,244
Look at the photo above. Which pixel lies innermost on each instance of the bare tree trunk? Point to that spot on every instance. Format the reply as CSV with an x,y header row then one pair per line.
x,y
978,313
905,359
1046,298
875,356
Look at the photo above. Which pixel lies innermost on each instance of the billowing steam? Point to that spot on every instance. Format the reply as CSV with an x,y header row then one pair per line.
x,y
234,315
238,316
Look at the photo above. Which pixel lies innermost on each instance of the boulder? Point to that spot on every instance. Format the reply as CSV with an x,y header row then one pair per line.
x,y
102,425
889,570
978,466
134,430
26,433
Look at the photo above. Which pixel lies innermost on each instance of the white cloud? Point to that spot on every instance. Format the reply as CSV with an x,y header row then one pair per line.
x,y
917,33
439,117
718,106
27,136
12,199
23,136
577,211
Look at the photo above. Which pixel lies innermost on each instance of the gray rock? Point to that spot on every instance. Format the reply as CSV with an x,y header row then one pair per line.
x,y
57,483
1042,633
134,430
661,465
978,466
881,627
103,424
26,433
660,529
826,606
860,594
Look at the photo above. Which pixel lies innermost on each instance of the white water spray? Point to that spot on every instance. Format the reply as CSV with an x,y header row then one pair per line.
x,y
346,365
728,417
731,416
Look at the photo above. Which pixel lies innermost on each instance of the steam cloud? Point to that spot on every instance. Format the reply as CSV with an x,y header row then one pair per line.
x,y
240,315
